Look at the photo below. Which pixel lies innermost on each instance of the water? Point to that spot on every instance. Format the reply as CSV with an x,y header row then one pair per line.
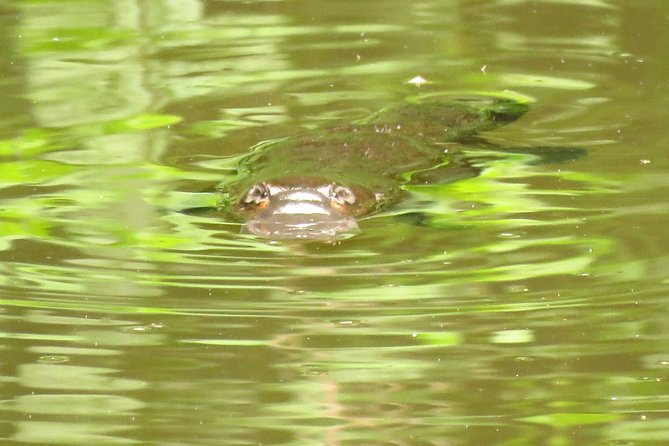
x,y
525,306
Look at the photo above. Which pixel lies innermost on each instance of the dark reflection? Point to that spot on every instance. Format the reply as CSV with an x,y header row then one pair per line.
x,y
13,108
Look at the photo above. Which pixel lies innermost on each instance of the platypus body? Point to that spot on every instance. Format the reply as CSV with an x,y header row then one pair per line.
x,y
314,186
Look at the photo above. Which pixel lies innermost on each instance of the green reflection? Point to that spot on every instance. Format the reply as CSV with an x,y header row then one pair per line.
x,y
73,378
562,420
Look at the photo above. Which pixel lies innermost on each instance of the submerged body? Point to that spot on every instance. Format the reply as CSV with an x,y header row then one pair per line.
x,y
314,186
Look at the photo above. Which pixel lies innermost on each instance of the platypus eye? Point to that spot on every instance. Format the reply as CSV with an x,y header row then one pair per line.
x,y
258,194
342,195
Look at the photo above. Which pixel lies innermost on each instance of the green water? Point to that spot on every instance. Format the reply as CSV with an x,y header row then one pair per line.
x,y
526,306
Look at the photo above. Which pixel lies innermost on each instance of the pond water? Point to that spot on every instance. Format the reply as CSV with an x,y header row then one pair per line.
x,y
526,306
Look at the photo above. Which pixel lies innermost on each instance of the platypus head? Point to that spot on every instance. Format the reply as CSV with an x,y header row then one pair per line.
x,y
306,208
276,190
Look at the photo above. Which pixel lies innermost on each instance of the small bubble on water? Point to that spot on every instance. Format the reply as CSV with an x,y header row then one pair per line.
x,y
417,81
53,359
348,323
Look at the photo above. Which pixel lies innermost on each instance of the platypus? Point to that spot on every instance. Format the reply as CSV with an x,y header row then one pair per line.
x,y
314,186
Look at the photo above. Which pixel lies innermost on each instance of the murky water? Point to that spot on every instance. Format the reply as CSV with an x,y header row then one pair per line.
x,y
525,306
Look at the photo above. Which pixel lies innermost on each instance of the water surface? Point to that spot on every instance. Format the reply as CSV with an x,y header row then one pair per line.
x,y
525,306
